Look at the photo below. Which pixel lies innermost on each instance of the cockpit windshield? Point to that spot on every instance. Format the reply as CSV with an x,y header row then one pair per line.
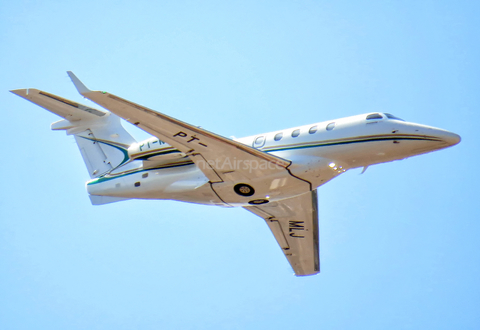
x,y
390,116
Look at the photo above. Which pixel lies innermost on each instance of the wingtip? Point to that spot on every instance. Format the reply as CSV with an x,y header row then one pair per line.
x,y
22,92
81,88
18,91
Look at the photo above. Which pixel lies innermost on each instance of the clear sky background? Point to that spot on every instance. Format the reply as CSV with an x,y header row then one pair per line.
x,y
400,244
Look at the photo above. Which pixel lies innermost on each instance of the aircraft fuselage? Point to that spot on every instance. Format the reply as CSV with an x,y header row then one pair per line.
x,y
318,153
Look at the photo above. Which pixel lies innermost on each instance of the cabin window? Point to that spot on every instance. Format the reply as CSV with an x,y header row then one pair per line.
x,y
145,175
312,129
374,116
330,126
259,142
296,133
137,184
278,136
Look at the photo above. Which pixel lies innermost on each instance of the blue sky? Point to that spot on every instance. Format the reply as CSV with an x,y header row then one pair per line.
x,y
399,244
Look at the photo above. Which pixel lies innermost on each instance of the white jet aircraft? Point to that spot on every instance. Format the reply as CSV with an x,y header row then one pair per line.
x,y
273,175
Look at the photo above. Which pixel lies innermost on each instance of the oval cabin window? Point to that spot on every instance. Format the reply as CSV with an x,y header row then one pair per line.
x,y
259,142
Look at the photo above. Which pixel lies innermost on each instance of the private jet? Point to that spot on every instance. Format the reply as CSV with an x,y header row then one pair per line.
x,y
274,175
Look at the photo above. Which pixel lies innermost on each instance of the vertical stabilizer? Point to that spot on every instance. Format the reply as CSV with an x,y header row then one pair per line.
x,y
101,138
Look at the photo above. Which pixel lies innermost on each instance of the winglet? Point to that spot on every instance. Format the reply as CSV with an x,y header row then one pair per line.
x,y
81,88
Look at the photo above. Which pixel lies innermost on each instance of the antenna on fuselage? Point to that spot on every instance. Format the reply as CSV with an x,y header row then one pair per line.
x,y
364,169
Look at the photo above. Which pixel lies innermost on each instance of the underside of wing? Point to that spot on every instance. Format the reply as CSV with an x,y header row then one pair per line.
x,y
69,110
220,159
294,223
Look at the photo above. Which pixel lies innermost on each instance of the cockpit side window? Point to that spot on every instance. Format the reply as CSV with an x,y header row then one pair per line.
x,y
390,116
374,116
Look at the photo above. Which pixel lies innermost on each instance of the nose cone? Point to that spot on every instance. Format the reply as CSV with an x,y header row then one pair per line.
x,y
449,138
428,138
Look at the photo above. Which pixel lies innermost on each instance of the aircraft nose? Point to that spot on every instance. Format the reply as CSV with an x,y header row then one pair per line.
x,y
450,138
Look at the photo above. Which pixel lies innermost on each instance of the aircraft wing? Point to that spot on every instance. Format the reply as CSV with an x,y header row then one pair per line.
x,y
72,111
294,223
219,158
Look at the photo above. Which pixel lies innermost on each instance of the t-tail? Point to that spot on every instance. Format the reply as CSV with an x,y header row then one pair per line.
x,y
101,138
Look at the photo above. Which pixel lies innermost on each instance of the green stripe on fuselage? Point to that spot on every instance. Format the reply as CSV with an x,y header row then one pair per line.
x,y
287,147
108,177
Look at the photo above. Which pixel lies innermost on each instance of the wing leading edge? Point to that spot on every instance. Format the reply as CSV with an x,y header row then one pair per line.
x,y
294,223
